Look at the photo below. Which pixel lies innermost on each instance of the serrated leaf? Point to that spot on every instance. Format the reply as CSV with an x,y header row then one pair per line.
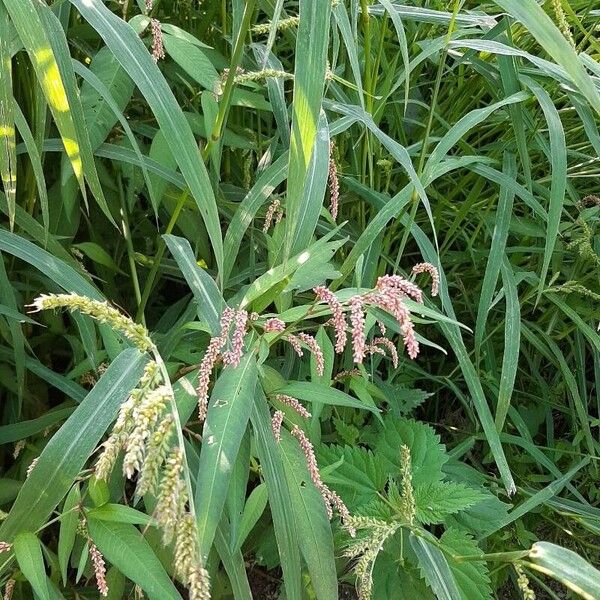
x,y
359,476
427,454
472,577
439,499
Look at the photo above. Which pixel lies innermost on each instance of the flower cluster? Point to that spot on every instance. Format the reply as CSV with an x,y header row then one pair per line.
x,y
158,50
389,295
9,589
5,547
99,569
274,213
308,340
281,25
214,352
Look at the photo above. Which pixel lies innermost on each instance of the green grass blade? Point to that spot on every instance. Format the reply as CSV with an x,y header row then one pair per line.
x,y
547,34
435,569
567,567
8,154
558,157
228,413
208,297
512,344
316,540
261,191
66,453
125,547
497,248
280,502
309,81
136,60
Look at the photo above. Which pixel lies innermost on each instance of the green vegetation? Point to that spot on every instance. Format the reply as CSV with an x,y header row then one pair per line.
x,y
226,367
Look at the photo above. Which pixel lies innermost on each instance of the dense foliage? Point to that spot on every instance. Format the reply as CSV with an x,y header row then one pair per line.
x,y
226,367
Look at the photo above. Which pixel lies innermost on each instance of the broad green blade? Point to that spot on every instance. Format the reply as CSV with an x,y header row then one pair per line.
x,y
130,51
280,502
28,551
127,549
312,43
315,537
68,450
8,153
228,413
567,567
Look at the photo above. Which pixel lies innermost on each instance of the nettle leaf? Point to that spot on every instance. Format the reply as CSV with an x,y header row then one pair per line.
x,y
389,577
402,400
360,474
427,454
472,577
437,500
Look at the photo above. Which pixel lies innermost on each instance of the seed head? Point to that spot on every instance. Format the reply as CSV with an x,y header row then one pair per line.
x,y
101,311
357,320
276,422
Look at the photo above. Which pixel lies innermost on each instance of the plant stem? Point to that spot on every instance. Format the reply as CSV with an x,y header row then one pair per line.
x,y
158,257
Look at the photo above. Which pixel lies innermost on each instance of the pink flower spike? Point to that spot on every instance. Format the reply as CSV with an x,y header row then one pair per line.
x,y
99,569
274,325
312,343
158,51
383,341
339,321
433,273
294,404
210,359
276,423
274,211
234,356
399,284
313,469
295,343
5,547
357,320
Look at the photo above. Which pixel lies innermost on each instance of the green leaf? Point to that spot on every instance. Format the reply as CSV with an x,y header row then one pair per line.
x,y
192,60
356,473
472,577
434,569
228,413
117,513
317,392
125,547
209,300
312,43
28,551
567,567
316,540
547,34
8,145
66,453
130,51
253,509
428,456
436,500
280,502
68,529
